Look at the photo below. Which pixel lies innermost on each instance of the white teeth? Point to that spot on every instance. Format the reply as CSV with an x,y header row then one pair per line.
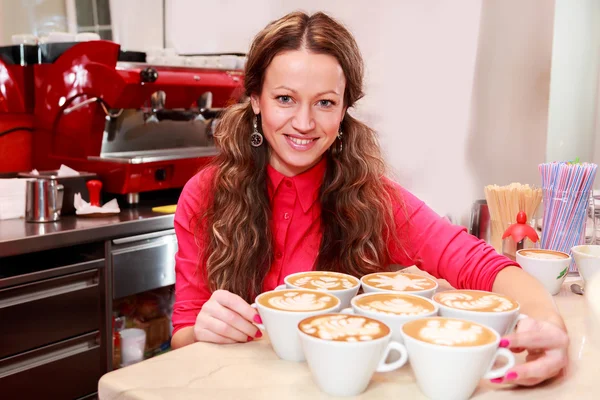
x,y
300,141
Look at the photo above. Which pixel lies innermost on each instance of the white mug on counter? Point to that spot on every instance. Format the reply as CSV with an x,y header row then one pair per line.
x,y
494,310
399,282
450,356
344,351
549,267
343,286
281,310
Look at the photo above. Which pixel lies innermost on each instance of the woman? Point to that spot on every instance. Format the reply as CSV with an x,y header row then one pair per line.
x,y
299,184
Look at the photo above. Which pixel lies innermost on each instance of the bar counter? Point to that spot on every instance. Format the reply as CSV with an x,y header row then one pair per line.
x,y
253,371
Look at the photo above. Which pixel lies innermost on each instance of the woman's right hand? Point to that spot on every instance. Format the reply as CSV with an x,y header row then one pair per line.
x,y
226,318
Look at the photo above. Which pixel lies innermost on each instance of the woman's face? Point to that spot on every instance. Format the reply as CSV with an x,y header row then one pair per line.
x,y
301,108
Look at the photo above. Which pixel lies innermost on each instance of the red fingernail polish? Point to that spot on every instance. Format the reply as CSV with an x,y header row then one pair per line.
x,y
504,343
496,380
257,319
258,334
511,376
250,338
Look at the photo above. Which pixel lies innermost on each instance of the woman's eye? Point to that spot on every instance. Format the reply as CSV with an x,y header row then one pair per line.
x,y
325,103
284,99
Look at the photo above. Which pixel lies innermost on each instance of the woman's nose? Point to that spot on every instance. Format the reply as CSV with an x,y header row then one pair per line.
x,y
303,120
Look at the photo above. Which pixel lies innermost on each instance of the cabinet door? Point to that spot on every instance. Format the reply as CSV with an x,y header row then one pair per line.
x,y
143,262
64,370
50,310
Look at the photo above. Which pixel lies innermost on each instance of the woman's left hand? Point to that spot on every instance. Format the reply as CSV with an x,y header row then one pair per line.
x,y
547,345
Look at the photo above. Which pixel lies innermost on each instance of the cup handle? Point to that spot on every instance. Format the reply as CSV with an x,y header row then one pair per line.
x,y
387,367
500,372
259,326
348,310
514,324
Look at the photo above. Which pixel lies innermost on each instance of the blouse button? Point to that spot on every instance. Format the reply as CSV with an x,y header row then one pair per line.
x,y
288,184
286,215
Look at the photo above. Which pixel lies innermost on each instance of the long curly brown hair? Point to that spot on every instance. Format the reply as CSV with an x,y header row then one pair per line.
x,y
357,219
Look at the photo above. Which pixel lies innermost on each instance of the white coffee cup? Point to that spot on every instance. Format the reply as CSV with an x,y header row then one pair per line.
x,y
345,295
551,272
503,319
394,321
399,282
282,325
345,368
445,372
133,344
587,259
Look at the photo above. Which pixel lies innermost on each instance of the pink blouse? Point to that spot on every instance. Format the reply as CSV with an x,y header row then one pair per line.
x,y
430,242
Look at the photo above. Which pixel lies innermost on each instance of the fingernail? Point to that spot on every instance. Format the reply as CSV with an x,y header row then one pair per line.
x,y
496,380
504,343
258,334
511,376
250,338
257,319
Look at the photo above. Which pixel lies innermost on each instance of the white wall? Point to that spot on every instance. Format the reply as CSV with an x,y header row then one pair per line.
x,y
30,16
574,87
137,24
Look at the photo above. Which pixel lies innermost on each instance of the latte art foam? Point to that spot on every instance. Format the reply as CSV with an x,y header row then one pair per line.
x,y
449,332
544,254
394,304
399,282
298,300
344,328
475,301
323,281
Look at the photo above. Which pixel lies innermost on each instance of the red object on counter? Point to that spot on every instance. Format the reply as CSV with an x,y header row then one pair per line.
x,y
521,230
94,187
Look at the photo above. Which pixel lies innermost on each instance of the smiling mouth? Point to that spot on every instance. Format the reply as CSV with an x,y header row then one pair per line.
x,y
300,142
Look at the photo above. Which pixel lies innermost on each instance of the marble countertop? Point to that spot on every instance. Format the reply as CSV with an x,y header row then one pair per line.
x,y
253,371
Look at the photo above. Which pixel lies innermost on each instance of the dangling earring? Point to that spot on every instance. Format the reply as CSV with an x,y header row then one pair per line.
x,y
339,137
256,138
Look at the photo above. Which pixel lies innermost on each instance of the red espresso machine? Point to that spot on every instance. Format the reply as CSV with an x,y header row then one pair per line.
x,y
140,127
16,106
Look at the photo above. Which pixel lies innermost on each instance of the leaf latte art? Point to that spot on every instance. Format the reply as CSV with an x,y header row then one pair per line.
x,y
300,301
400,282
323,281
344,328
395,306
451,333
475,301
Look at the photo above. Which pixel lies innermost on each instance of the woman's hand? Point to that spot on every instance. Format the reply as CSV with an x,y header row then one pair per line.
x,y
547,345
226,318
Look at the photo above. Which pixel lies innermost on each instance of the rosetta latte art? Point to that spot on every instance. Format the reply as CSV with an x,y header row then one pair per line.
x,y
343,328
400,282
466,301
451,333
324,282
294,301
395,306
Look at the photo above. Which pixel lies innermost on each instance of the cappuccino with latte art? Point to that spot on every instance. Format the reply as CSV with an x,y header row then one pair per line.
x,y
344,328
394,304
449,356
494,310
298,300
474,300
449,332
